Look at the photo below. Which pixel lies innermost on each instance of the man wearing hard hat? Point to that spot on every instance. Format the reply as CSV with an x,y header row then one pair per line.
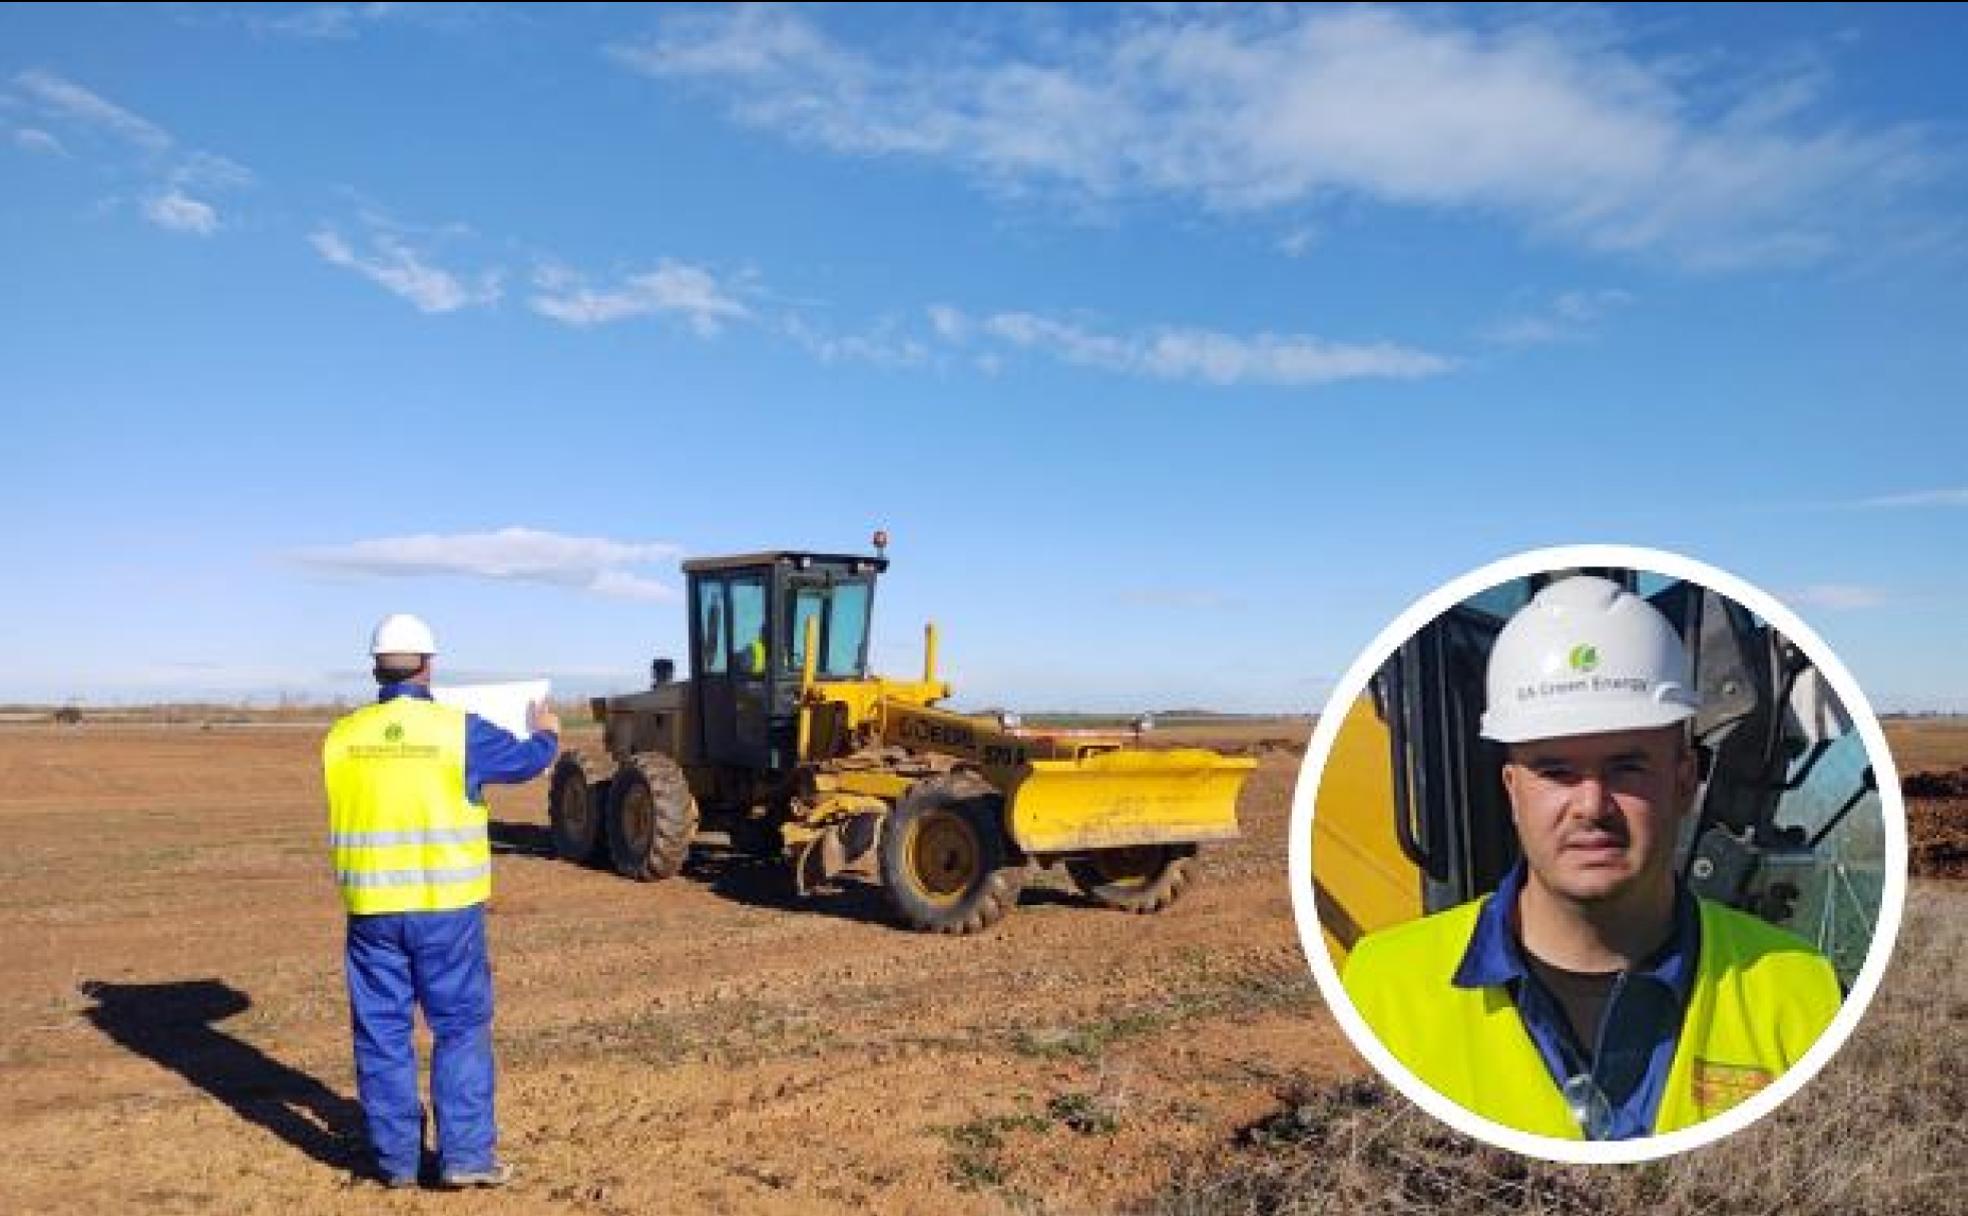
x,y
1592,995
408,825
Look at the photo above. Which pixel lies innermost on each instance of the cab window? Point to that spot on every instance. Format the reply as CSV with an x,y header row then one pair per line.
x,y
710,626
748,640
803,604
842,613
1501,601
846,631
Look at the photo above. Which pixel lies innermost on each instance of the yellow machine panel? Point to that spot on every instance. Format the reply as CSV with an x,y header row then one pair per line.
x,y
1119,799
1361,880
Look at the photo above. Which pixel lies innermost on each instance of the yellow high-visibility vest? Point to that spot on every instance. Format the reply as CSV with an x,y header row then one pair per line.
x,y
1760,999
405,836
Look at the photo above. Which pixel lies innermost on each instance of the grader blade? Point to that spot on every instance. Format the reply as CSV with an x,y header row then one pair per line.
x,y
1121,799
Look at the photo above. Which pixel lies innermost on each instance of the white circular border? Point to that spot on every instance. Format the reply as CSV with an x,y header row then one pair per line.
x,y
1354,684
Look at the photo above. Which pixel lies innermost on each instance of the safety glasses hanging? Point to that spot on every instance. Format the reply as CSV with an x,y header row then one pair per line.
x,y
1589,1106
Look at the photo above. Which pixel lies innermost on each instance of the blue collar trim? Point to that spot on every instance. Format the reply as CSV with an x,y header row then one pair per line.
x,y
1495,956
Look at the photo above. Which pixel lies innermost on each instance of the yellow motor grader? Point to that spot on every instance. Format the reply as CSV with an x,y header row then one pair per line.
x,y
784,740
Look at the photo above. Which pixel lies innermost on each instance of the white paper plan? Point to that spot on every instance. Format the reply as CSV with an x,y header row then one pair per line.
x,y
500,704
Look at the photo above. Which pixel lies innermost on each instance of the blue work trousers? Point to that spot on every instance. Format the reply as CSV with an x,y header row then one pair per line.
x,y
436,960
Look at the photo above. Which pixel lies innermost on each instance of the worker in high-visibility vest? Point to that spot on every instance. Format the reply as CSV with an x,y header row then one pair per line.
x,y
1592,995
408,826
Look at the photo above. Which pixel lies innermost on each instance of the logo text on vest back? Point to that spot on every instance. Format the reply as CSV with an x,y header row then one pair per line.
x,y
392,751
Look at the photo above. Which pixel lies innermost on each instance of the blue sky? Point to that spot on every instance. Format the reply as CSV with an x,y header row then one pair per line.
x,y
1177,349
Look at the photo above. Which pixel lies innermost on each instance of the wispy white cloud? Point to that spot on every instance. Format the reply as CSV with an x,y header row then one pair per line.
x,y
1298,242
176,211
1837,597
1584,307
137,145
1571,135
674,288
620,584
948,321
209,171
338,22
34,139
1202,355
1569,315
65,97
884,344
594,564
1957,497
708,303
392,263
749,41
333,22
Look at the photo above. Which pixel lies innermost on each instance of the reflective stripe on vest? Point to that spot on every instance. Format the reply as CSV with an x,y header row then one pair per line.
x,y
404,835
1761,997
376,840
411,878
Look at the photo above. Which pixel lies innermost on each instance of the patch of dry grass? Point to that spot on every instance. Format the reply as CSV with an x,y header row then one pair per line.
x,y
1882,1129
1925,743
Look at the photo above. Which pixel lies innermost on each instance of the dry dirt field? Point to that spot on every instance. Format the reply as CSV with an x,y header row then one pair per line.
x,y
173,1032
173,1029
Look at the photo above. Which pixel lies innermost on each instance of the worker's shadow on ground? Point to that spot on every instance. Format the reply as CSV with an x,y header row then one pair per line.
x,y
174,1025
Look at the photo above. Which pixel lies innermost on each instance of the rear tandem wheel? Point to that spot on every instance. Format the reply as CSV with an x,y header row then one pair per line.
x,y
575,806
651,817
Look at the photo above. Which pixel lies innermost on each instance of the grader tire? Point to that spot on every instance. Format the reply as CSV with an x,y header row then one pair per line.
x,y
1143,880
946,865
651,818
576,806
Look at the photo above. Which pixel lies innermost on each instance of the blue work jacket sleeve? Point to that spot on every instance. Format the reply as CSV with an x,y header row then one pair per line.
x,y
494,754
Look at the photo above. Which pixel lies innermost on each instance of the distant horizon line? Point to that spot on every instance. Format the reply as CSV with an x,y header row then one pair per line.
x,y
284,701
278,704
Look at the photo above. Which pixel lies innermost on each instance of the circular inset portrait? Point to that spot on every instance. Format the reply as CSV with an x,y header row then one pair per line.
x,y
1598,853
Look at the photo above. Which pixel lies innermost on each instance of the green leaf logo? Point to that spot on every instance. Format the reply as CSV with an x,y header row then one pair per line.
x,y
1584,657
393,733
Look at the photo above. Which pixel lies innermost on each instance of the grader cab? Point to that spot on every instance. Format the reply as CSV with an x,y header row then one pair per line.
x,y
784,740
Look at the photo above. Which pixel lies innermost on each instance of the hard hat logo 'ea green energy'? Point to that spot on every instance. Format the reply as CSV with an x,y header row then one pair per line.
x,y
1547,674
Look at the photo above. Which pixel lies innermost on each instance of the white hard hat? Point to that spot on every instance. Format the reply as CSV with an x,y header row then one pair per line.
x,y
1584,657
401,633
